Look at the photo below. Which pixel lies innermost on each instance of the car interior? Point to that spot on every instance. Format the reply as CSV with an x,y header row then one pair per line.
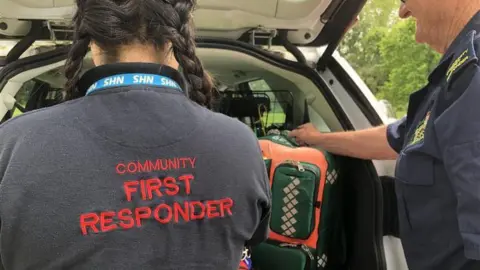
x,y
244,84
266,97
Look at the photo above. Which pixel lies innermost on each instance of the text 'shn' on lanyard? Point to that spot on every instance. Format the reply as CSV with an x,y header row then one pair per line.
x,y
130,79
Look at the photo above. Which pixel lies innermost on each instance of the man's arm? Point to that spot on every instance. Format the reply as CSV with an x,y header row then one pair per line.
x,y
365,144
380,143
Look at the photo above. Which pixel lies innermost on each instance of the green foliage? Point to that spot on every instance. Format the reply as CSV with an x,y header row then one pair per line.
x,y
383,51
408,63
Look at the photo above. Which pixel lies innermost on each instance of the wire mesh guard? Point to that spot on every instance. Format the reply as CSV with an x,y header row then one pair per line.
x,y
261,110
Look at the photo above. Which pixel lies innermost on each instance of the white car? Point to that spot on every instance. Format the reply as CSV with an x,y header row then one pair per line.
x,y
249,46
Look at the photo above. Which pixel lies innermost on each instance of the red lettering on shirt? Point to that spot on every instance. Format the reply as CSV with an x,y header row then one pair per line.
x,y
153,185
161,164
192,161
143,190
143,167
106,221
173,164
120,168
89,220
195,214
227,204
186,178
142,213
163,219
143,203
171,184
129,188
126,219
132,167
212,210
149,188
181,211
163,213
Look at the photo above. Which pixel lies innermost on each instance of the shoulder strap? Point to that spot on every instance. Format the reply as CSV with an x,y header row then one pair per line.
x,y
464,55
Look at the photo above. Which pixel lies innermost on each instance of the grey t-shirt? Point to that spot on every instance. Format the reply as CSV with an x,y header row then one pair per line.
x,y
129,178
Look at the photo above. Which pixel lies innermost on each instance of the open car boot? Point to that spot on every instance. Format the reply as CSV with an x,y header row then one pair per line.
x,y
278,61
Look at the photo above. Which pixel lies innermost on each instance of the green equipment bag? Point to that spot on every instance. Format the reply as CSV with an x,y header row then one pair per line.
x,y
306,227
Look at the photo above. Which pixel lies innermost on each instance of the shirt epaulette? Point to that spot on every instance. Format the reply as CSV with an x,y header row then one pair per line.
x,y
464,55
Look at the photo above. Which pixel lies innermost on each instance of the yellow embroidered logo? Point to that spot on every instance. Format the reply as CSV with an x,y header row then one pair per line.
x,y
457,63
419,133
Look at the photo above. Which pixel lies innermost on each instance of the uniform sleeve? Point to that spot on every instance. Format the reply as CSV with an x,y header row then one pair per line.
x,y
265,199
1,262
457,127
5,147
4,157
396,134
261,234
263,228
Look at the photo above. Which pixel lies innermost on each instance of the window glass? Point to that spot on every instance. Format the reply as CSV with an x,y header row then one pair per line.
x,y
22,96
35,94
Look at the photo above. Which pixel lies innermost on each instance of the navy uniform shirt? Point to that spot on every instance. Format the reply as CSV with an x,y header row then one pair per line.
x,y
132,176
438,169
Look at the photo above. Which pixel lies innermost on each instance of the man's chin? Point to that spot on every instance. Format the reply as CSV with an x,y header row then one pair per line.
x,y
419,36
423,39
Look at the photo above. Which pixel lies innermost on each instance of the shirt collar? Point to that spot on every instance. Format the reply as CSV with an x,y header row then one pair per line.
x,y
472,25
103,71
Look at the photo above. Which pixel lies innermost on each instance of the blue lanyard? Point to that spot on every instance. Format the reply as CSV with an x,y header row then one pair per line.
x,y
133,79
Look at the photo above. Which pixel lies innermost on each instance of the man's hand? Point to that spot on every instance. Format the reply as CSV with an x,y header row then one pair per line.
x,y
305,134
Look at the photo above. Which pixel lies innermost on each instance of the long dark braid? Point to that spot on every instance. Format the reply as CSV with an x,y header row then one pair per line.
x,y
184,51
79,49
110,23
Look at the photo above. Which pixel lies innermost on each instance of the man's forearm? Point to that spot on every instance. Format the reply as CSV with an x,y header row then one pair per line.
x,y
365,144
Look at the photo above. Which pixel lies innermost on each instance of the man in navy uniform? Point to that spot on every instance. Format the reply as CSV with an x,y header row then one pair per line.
x,y
437,145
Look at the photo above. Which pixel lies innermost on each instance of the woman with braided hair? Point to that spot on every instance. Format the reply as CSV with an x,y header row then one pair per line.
x,y
133,171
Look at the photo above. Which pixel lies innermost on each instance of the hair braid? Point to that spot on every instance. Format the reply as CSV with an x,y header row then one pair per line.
x,y
78,50
201,83
111,23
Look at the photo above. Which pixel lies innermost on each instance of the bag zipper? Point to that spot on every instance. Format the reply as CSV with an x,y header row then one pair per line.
x,y
295,163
